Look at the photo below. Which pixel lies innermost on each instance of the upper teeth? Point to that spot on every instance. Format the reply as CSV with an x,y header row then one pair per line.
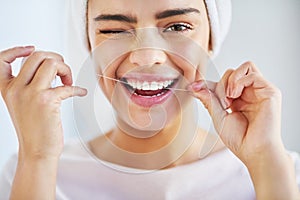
x,y
144,85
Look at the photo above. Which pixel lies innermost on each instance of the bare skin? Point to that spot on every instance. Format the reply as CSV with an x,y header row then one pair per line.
x,y
251,131
40,135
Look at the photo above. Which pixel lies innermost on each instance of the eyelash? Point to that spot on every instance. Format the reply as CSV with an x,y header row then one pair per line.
x,y
112,31
186,27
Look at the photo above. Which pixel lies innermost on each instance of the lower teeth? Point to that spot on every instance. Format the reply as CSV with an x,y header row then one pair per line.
x,y
156,95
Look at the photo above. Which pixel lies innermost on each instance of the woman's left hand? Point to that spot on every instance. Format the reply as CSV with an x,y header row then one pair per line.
x,y
253,126
252,130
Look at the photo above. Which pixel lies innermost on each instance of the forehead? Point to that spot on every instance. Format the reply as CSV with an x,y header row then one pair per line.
x,y
141,7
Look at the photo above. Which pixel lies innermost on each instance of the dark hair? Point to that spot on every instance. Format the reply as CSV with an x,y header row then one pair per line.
x,y
87,26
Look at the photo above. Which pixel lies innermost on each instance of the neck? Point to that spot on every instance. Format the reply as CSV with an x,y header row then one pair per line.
x,y
176,144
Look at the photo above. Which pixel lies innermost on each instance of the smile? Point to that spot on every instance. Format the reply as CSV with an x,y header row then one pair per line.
x,y
147,93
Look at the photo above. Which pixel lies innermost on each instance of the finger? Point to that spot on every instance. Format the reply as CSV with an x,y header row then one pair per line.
x,y
6,58
204,91
10,55
222,120
201,84
32,63
243,70
47,72
64,92
253,79
221,89
239,105
212,104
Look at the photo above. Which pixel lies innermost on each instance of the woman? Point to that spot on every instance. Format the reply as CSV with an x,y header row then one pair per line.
x,y
251,131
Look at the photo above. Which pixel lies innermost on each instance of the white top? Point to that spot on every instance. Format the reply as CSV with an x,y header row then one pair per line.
x,y
81,176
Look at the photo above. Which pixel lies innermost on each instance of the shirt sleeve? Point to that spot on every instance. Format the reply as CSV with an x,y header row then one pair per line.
x,y
6,177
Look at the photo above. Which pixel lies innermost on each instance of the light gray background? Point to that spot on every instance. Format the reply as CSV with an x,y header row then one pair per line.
x,y
266,32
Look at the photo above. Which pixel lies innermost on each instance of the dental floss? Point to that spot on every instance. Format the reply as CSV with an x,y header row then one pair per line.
x,y
113,79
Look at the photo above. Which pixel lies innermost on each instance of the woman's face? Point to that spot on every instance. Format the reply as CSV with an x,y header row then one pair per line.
x,y
152,47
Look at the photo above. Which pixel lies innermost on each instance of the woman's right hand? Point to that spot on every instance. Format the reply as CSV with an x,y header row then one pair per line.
x,y
33,105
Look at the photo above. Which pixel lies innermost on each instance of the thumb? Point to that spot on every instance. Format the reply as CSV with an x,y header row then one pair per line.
x,y
64,92
204,91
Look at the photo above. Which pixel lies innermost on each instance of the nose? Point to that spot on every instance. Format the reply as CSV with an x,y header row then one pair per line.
x,y
147,57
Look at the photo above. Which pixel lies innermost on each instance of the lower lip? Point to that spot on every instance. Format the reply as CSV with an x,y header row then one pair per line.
x,y
148,101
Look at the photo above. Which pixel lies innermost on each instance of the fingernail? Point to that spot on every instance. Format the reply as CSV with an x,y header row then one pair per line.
x,y
228,92
196,86
234,93
223,103
226,103
29,47
81,91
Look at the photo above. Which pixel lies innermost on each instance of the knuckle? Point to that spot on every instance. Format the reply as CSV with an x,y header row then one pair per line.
x,y
273,94
57,56
249,64
67,69
51,62
47,55
69,90
276,92
228,71
10,93
38,54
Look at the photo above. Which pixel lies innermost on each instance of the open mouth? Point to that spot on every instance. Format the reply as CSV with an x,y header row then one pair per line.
x,y
147,93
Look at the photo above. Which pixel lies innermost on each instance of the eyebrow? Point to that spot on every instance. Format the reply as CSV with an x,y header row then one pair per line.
x,y
175,12
131,19
115,17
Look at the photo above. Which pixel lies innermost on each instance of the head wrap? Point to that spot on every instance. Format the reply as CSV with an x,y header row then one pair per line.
x,y
219,13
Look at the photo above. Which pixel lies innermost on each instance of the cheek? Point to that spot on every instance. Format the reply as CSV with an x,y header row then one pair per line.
x,y
109,71
190,60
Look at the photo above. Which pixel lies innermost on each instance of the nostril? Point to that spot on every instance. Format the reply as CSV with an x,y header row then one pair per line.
x,y
143,57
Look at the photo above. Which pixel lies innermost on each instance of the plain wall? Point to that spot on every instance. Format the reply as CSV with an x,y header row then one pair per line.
x,y
266,32
30,22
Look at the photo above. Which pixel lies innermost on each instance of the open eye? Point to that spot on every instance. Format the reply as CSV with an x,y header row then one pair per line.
x,y
179,27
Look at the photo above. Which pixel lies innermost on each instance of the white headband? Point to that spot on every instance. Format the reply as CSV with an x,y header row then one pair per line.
x,y
219,12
